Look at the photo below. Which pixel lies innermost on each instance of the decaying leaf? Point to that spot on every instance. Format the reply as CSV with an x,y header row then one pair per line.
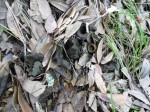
x,y
4,72
99,51
35,88
12,22
44,8
139,96
78,101
71,29
3,11
126,73
107,58
22,102
50,24
119,99
19,72
92,101
60,5
100,29
145,68
83,59
98,78
91,79
67,108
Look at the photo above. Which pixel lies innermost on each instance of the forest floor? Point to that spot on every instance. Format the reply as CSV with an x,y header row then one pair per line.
x,y
75,56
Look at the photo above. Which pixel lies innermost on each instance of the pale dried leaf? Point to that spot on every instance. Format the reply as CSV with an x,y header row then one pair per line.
x,y
50,24
59,108
107,58
99,26
92,101
71,29
98,78
42,42
126,73
3,11
67,108
91,12
127,105
139,96
35,88
145,84
34,27
60,5
112,9
99,51
4,70
11,22
45,48
141,104
78,101
145,68
44,8
34,5
79,4
22,102
83,59
19,73
59,21
119,99
52,52
60,37
91,76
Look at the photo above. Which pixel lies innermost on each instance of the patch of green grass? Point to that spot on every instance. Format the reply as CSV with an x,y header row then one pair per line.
x,y
131,44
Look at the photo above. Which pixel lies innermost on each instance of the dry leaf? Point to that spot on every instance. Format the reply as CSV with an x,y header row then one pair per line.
x,y
19,73
60,5
98,78
83,59
145,84
3,11
119,99
48,54
15,99
107,58
91,76
22,102
99,51
100,29
71,29
78,101
35,88
59,21
52,52
60,37
67,108
139,96
4,72
145,68
112,9
50,24
44,8
34,28
92,101
59,108
11,21
141,104
126,73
